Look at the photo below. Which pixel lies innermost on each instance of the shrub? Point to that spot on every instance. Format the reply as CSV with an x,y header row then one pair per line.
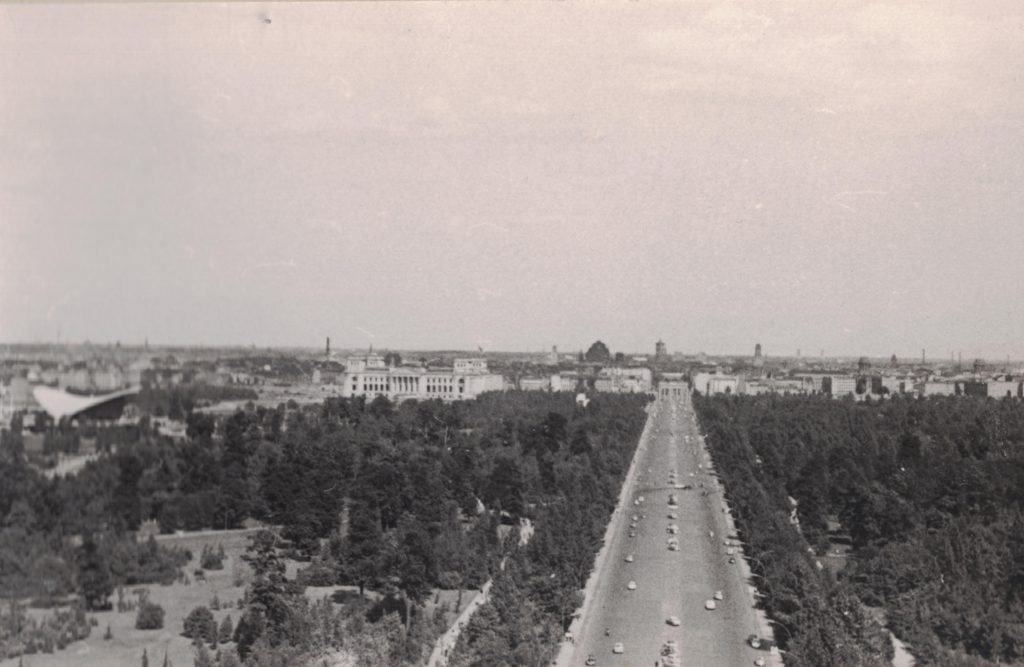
x,y
319,573
210,559
149,617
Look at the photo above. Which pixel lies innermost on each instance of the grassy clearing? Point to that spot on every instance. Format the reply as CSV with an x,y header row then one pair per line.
x,y
125,648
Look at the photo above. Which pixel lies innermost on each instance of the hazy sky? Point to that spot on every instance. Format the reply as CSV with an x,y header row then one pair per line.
x,y
516,175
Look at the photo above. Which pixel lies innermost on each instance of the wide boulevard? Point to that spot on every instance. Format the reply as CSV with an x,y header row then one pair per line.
x,y
669,583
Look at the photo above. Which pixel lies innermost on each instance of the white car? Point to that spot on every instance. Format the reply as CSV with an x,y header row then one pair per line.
x,y
718,596
760,662
631,585
710,605
674,621
673,515
673,546
673,528
730,551
629,558
618,648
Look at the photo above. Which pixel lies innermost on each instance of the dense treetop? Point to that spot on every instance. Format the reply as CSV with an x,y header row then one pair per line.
x,y
927,492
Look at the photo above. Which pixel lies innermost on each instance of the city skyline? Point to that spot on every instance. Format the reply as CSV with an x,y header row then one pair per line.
x,y
427,175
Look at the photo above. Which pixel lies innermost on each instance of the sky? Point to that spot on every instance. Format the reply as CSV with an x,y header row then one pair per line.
x,y
843,176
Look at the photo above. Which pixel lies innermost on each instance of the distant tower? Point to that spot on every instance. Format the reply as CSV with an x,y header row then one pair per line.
x,y
758,359
922,356
893,361
863,365
660,350
327,352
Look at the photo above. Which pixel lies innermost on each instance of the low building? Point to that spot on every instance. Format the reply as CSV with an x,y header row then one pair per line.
x,y
710,384
897,385
630,380
565,381
939,388
535,383
843,385
1003,388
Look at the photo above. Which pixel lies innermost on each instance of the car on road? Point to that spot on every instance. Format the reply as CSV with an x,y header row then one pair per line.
x,y
591,660
760,662
730,551
631,585
629,558
673,515
710,605
673,546
674,621
718,596
632,533
732,560
672,528
618,648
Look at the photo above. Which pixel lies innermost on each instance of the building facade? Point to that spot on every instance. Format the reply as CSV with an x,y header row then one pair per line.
x,y
370,377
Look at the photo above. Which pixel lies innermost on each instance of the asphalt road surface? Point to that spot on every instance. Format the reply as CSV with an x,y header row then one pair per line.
x,y
670,583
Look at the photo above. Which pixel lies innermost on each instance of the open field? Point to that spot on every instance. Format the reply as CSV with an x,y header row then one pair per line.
x,y
125,647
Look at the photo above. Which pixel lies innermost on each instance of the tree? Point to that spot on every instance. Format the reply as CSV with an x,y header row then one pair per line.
x,y
226,631
126,504
268,611
380,407
364,546
598,353
413,564
94,578
203,657
200,625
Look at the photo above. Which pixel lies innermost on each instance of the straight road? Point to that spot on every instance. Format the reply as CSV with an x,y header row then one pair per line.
x,y
670,583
